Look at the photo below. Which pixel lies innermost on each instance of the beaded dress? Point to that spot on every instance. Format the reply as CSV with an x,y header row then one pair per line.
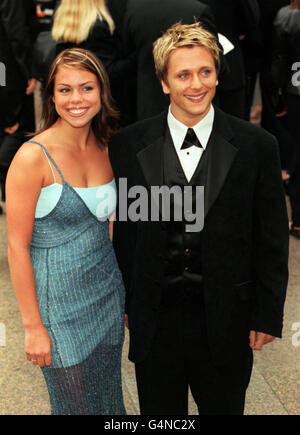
x,y
80,295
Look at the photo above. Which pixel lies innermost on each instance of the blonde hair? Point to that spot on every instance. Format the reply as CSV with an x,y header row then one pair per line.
x,y
183,35
74,19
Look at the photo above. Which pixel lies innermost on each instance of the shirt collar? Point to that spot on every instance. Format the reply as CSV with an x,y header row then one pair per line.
x,y
202,129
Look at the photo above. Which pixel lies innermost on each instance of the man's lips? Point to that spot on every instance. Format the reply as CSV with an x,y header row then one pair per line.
x,y
196,98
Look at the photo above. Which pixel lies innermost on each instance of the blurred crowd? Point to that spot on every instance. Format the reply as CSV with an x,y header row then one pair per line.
x,y
264,34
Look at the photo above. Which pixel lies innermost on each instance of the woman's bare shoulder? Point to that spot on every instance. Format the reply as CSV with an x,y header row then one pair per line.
x,y
30,155
31,151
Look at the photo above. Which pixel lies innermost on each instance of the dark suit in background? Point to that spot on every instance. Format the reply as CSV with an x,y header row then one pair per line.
x,y
286,76
145,21
16,107
278,126
234,18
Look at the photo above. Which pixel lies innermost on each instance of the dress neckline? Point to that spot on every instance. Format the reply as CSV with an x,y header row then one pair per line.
x,y
79,188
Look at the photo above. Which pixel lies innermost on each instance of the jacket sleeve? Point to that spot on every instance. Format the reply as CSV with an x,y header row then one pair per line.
x,y
105,47
271,244
280,68
124,234
248,12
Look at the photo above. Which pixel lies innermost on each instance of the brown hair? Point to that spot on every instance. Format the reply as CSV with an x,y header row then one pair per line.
x,y
183,35
104,124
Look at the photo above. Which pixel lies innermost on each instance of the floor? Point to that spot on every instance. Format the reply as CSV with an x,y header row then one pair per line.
x,y
274,387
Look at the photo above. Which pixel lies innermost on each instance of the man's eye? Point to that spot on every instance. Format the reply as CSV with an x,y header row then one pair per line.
x,y
183,75
206,72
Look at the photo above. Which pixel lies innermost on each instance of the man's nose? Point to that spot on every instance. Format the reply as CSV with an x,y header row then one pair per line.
x,y
196,82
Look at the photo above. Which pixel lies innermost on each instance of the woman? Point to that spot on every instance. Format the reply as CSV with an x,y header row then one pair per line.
x,y
62,264
88,24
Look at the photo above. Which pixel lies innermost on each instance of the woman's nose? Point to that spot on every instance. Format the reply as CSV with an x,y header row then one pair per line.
x,y
76,96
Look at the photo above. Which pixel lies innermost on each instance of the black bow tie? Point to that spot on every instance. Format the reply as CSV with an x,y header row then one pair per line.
x,y
190,140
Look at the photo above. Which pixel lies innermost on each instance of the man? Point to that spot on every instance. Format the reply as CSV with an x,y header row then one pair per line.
x,y
276,125
286,76
144,22
17,86
236,20
198,302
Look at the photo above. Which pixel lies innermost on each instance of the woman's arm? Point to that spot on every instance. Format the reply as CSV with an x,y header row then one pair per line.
x,y
23,185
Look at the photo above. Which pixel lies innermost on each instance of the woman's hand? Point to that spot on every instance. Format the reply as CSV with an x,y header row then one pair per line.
x,y
38,346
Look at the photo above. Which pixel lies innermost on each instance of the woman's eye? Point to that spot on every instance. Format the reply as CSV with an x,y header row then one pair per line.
x,y
88,88
63,90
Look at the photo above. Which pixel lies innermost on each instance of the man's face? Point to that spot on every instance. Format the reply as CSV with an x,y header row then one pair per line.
x,y
191,83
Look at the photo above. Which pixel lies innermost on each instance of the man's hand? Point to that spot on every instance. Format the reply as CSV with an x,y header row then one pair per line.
x,y
31,84
12,129
258,339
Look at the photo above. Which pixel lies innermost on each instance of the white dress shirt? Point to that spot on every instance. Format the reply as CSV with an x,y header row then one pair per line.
x,y
190,157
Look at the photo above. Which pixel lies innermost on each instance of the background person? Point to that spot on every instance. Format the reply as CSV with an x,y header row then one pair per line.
x,y
89,24
286,76
144,22
16,109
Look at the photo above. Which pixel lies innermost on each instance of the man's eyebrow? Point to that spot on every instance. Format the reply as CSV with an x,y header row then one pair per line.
x,y
188,69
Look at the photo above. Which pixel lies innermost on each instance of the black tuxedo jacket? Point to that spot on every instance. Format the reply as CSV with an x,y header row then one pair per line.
x,y
245,234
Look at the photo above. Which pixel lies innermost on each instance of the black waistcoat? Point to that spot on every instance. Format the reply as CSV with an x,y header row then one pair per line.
x,y
182,263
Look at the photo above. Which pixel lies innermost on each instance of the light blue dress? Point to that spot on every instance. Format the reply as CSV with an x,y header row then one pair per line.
x,y
80,294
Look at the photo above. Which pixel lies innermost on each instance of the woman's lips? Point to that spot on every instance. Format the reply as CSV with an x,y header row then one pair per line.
x,y
77,112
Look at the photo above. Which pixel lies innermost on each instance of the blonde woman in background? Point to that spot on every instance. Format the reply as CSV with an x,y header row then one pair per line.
x,y
88,24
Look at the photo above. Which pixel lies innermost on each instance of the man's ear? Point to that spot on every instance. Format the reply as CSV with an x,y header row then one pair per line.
x,y
165,87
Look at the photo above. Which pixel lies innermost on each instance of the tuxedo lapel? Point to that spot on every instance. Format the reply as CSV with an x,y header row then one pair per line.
x,y
221,154
151,162
150,156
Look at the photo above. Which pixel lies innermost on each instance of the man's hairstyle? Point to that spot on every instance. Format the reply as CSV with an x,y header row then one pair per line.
x,y
183,35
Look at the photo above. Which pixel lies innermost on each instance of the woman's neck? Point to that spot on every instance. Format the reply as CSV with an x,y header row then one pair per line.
x,y
79,138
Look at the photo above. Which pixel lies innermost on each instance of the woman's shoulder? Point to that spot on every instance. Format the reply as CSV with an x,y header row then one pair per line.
x,y
30,152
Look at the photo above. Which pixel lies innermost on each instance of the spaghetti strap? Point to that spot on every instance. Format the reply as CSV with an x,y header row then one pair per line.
x,y
48,156
49,165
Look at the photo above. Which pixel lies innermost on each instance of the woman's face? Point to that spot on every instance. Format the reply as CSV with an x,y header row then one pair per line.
x,y
76,95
